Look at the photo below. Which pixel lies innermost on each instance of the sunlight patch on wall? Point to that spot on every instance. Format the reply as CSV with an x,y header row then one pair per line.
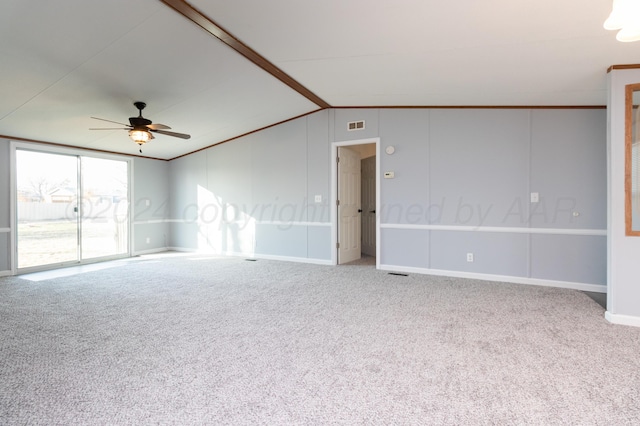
x,y
223,228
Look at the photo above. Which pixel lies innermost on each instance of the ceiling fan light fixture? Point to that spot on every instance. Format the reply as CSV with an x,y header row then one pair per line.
x,y
627,34
140,128
625,16
140,136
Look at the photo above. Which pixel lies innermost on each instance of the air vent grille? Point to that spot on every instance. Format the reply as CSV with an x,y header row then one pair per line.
x,y
355,125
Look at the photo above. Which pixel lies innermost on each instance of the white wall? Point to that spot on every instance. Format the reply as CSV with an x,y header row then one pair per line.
x,y
623,304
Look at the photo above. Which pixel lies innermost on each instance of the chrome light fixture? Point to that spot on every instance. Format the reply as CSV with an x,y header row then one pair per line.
x,y
625,16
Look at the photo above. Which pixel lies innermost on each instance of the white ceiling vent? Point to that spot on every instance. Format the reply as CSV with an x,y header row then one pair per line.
x,y
355,125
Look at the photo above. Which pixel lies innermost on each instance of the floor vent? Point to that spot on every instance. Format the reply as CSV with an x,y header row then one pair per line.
x,y
355,125
398,274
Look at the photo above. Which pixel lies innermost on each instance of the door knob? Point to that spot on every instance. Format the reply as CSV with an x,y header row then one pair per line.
x,y
359,210
372,211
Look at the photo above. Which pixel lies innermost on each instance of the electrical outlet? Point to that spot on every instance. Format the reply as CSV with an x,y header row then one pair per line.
x,y
148,240
469,257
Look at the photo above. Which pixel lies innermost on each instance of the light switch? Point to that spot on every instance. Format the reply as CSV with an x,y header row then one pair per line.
x,y
389,175
535,197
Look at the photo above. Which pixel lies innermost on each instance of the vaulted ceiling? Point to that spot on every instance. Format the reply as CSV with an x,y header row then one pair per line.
x,y
218,69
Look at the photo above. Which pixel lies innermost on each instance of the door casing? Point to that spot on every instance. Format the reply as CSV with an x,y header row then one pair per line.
x,y
334,195
368,185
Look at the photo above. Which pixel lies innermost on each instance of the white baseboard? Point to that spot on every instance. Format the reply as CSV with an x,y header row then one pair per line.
x,y
255,256
150,251
5,273
182,250
622,319
292,259
501,278
596,288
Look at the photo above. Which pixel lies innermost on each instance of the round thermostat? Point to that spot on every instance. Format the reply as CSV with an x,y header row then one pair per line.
x,y
390,150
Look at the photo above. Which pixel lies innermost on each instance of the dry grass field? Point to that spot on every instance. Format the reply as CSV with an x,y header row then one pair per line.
x,y
55,242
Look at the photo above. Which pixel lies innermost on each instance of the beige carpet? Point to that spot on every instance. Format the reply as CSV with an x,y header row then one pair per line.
x,y
202,340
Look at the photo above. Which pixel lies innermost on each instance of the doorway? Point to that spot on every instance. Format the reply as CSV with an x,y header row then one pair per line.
x,y
355,189
69,209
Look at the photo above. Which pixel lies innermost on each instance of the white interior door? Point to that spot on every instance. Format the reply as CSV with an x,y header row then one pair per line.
x,y
349,208
368,187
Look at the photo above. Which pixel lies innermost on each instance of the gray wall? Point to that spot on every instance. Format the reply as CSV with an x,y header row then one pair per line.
x,y
457,169
255,195
463,179
150,205
5,240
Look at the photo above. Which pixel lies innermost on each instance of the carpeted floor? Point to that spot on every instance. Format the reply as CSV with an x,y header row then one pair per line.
x,y
189,339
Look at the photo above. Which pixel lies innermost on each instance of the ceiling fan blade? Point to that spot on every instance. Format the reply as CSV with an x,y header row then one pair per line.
x,y
110,121
110,128
158,126
174,134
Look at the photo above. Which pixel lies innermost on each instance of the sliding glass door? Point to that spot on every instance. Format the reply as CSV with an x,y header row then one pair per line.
x,y
69,209
104,223
47,188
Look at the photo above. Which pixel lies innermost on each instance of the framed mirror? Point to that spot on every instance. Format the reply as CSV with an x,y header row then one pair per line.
x,y
632,159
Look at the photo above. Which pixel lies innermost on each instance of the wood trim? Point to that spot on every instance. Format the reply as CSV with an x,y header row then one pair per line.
x,y
247,134
628,156
200,19
81,148
474,107
623,67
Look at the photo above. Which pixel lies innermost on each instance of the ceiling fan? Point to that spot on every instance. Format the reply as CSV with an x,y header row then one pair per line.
x,y
140,128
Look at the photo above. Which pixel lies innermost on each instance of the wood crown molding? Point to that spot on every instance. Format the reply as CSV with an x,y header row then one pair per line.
x,y
475,107
248,133
623,67
79,148
203,21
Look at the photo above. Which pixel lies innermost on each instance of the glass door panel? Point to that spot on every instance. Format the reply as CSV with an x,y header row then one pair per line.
x,y
104,210
47,188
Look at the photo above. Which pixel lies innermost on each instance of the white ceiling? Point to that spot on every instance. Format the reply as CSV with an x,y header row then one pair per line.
x,y
62,62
